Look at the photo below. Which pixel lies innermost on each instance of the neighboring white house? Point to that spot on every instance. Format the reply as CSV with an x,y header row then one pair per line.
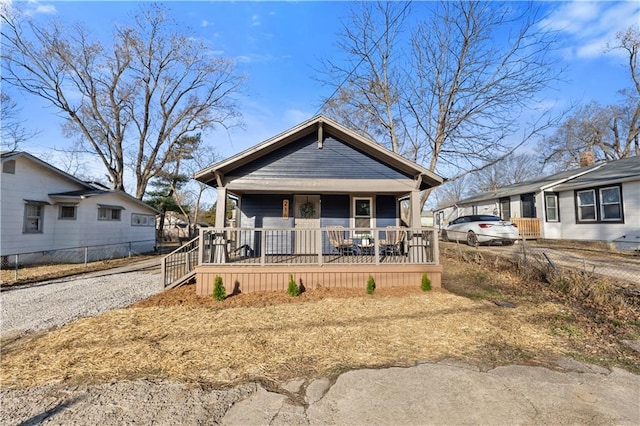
x,y
594,203
46,211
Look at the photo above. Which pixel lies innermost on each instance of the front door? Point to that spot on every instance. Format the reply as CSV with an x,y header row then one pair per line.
x,y
528,202
306,210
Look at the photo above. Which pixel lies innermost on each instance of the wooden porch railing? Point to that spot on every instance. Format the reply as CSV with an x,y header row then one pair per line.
x,y
308,246
179,265
528,228
318,246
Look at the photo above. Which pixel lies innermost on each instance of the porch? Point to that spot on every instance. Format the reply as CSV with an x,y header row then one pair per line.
x,y
261,259
528,228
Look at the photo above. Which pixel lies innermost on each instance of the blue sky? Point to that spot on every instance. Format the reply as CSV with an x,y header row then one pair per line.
x,y
277,45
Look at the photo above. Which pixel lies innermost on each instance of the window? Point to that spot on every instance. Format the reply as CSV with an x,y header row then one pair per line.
x,y
109,212
67,212
362,212
138,219
33,218
602,204
505,208
610,205
9,167
587,205
551,205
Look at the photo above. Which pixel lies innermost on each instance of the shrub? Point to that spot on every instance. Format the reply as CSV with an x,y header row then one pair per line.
x,y
371,285
293,288
426,283
219,292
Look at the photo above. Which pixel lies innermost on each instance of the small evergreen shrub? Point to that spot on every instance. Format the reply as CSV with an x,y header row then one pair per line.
x,y
293,288
426,283
371,285
219,292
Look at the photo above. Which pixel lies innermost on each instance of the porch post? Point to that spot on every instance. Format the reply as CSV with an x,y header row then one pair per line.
x,y
221,207
415,209
416,249
220,243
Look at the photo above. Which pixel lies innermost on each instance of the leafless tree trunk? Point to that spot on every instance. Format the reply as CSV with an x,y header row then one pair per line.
x,y
456,94
129,103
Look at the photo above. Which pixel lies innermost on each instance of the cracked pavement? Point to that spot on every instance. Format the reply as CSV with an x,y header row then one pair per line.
x,y
431,393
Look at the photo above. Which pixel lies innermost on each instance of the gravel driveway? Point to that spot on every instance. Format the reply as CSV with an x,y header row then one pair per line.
x,y
54,303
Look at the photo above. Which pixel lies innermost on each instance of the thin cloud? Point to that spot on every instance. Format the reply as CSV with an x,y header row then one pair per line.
x,y
589,26
255,58
294,116
255,21
204,23
36,8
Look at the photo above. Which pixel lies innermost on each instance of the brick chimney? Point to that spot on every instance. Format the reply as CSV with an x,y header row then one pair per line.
x,y
586,159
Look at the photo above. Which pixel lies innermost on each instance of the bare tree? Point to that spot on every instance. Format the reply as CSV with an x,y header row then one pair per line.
x,y
370,98
453,191
14,131
196,189
629,41
607,132
129,102
513,169
454,94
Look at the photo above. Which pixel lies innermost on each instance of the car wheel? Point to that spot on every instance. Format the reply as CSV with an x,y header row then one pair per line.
x,y
472,239
445,238
508,242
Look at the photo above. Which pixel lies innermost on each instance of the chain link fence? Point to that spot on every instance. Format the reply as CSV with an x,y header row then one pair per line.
x,y
76,255
573,268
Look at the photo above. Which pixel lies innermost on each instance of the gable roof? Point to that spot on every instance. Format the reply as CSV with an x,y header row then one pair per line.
x,y
213,174
617,171
88,190
6,156
528,186
604,173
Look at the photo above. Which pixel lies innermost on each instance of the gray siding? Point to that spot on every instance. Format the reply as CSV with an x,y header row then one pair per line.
x,y
335,212
386,209
265,210
303,159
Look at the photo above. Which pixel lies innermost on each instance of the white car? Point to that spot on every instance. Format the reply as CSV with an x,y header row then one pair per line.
x,y
479,228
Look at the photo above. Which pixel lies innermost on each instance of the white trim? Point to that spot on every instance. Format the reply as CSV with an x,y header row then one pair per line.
x,y
556,208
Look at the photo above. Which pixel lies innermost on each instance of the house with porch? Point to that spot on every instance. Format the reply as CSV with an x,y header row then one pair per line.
x,y
598,202
319,203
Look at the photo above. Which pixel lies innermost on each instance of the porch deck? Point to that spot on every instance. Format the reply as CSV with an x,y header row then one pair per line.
x,y
259,259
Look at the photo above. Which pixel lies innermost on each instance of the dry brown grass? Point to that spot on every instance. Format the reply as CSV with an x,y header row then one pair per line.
x,y
35,273
275,342
273,337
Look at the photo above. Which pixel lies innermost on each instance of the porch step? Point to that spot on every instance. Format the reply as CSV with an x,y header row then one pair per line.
x,y
182,280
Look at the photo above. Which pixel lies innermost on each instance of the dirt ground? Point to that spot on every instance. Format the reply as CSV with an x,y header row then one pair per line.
x,y
488,314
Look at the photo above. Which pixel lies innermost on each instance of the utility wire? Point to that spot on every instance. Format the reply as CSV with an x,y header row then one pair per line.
x,y
376,44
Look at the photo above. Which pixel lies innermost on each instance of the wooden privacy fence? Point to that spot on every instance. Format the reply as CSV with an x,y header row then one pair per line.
x,y
528,228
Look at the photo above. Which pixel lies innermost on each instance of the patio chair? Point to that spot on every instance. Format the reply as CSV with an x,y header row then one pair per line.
x,y
392,243
339,242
